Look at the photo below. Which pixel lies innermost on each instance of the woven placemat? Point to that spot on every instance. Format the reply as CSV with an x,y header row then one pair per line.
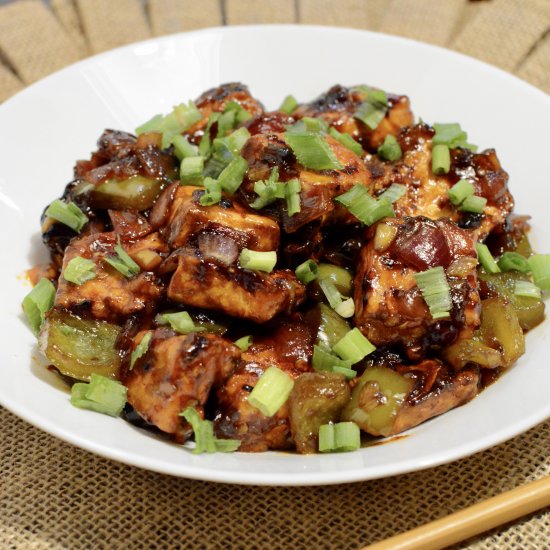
x,y
53,495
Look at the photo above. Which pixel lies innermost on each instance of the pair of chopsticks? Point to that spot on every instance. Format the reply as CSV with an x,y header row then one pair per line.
x,y
473,520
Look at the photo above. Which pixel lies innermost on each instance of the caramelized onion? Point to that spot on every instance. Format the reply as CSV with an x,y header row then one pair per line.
x,y
422,245
218,247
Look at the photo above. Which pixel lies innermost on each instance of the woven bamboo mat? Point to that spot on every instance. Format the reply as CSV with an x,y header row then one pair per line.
x,y
56,496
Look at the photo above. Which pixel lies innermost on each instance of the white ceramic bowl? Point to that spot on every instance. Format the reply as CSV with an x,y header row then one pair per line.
x,y
45,128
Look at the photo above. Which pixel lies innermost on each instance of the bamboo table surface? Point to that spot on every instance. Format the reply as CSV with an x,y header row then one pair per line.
x,y
53,495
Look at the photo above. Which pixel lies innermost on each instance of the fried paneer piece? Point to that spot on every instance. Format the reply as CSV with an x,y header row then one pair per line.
x,y
178,371
338,105
263,152
109,295
230,289
188,220
390,308
288,348
438,389
427,193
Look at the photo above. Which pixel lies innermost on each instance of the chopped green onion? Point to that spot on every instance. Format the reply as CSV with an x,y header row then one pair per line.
x,y
350,374
346,308
289,104
486,259
232,175
258,261
206,141
435,290
307,272
191,169
271,391
540,268
180,321
122,262
152,125
102,395
340,437
244,343
205,441
460,191
373,110
390,149
184,149
452,135
241,114
441,159
365,208
226,122
268,191
308,125
313,151
38,302
473,204
323,360
68,214
79,270
353,347
331,293
512,261
212,192
393,193
527,289
293,188
347,141
141,349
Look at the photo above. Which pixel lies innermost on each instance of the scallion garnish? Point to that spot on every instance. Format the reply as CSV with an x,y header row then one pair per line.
x,y
258,261
323,360
346,308
241,114
307,272
224,150
452,135
212,192
473,204
289,104
393,193
122,262
373,110
486,259
102,395
390,149
226,123
191,170
331,293
512,261
365,208
68,214
435,290
38,302
340,437
141,349
271,391
441,159
540,269
180,321
205,441
244,343
184,149
232,175
312,151
292,192
206,140
347,141
527,289
308,125
460,191
79,270
269,190
354,346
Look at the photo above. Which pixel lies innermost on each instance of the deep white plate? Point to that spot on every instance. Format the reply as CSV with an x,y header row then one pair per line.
x,y
45,128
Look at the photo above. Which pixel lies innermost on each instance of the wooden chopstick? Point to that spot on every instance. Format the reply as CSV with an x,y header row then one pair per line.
x,y
472,520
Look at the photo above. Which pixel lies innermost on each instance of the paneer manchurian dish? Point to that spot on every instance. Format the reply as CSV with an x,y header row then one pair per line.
x,y
291,279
